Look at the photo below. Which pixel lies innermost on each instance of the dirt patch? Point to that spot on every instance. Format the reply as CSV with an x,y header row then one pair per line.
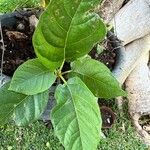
x,y
18,44
106,54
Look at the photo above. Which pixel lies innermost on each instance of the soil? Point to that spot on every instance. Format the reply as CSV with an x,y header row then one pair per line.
x,y
107,52
18,44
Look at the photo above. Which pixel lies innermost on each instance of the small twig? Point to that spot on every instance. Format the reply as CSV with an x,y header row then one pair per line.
x,y
3,50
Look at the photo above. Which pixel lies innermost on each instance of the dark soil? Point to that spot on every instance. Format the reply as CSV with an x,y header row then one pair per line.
x,y
108,55
18,45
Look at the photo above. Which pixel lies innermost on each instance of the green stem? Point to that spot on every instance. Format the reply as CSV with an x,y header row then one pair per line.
x,y
62,65
63,79
66,72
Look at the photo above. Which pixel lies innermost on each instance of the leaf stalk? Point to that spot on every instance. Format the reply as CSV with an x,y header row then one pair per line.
x,y
69,71
65,82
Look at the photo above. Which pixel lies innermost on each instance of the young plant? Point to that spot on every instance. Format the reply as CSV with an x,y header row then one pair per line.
x,y
67,31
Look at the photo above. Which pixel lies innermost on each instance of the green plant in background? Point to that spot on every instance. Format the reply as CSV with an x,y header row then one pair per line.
x,y
67,32
11,5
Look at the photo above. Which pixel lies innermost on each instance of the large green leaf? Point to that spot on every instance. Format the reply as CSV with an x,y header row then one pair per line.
x,y
97,77
76,116
68,29
25,108
32,78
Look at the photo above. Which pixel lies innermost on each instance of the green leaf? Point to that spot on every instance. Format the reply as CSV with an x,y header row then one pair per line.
x,y
76,116
30,108
97,77
68,29
8,101
25,108
32,78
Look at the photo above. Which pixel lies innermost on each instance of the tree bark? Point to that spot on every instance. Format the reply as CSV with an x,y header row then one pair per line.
x,y
138,88
109,8
129,57
133,21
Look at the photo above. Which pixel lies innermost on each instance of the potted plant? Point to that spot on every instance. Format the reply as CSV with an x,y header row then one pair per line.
x,y
66,32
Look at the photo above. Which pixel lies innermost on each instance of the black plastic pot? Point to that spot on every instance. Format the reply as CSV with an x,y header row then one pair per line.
x,y
10,19
108,117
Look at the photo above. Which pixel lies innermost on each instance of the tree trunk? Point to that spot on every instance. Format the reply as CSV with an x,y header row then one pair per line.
x,y
109,8
138,88
133,21
130,57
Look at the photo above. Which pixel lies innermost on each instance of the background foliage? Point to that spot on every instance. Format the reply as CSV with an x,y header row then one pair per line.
x,y
11,5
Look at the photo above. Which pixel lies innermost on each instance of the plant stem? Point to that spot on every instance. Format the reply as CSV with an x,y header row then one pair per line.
x,y
62,65
66,72
63,79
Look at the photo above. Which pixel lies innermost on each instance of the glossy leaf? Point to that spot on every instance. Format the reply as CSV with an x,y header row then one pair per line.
x,y
24,108
32,78
8,101
76,116
31,108
97,77
68,29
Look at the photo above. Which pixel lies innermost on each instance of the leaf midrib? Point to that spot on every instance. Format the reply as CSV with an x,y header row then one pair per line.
x,y
75,113
66,40
12,111
91,77
35,76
